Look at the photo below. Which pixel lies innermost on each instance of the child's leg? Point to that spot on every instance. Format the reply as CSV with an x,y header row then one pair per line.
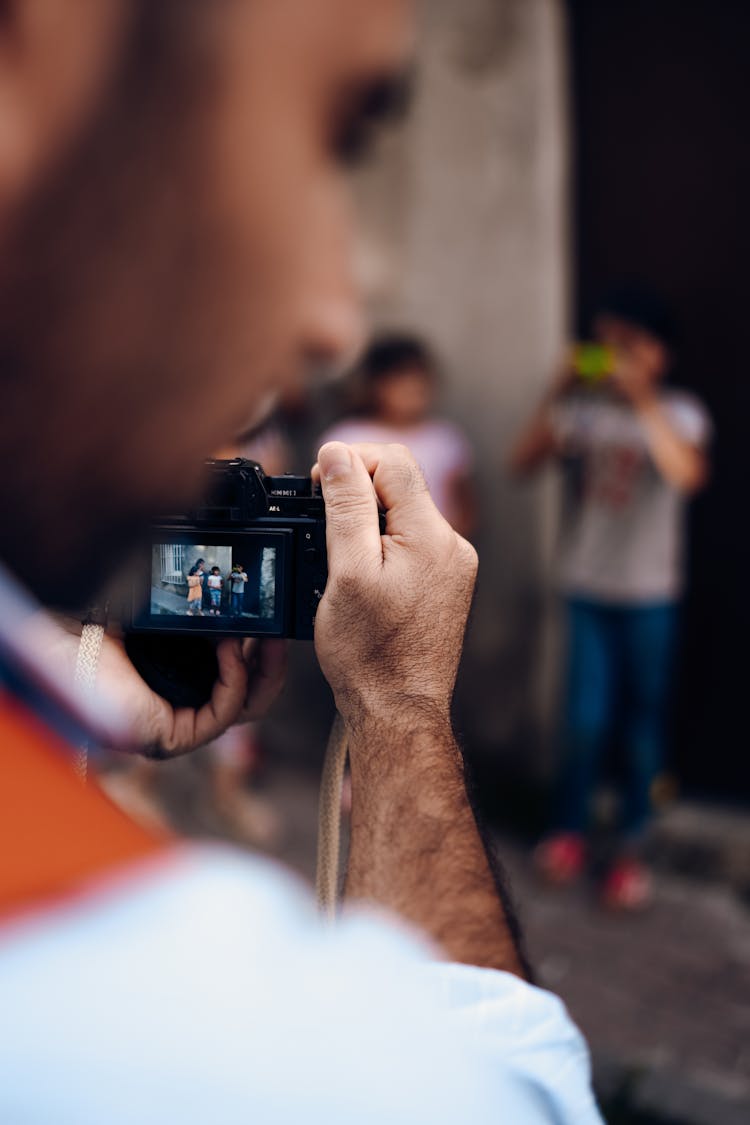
x,y
587,715
648,649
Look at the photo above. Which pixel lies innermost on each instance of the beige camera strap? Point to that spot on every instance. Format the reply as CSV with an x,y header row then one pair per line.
x,y
329,820
331,784
87,663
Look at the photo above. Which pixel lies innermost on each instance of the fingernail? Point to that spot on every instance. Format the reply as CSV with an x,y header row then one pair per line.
x,y
335,461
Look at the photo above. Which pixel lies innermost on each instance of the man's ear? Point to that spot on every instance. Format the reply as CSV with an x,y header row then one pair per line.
x,y
55,60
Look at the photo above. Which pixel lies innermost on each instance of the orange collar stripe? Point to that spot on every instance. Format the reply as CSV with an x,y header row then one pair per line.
x,y
56,833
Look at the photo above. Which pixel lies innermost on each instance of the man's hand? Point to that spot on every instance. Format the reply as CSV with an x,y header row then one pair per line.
x,y
388,633
389,629
251,675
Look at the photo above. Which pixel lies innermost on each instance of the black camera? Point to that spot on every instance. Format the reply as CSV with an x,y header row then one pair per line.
x,y
250,559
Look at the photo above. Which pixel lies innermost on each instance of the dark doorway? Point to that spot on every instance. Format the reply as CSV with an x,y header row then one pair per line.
x,y
662,164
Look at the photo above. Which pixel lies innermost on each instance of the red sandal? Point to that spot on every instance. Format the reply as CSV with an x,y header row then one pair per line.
x,y
560,859
628,886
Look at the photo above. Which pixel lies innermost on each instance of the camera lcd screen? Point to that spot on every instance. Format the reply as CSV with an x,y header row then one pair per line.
x,y
216,582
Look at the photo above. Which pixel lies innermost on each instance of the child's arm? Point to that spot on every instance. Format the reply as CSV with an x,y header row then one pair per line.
x,y
682,463
463,503
534,445
537,441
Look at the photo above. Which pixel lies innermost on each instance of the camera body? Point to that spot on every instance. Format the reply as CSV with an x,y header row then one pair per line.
x,y
249,560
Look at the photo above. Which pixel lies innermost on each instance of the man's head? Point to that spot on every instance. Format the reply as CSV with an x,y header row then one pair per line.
x,y
174,243
400,376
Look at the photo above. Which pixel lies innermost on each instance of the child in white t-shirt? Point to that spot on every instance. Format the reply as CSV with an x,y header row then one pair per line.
x,y
638,451
215,585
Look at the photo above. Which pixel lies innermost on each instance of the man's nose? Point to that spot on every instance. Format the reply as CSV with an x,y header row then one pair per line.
x,y
335,327
333,313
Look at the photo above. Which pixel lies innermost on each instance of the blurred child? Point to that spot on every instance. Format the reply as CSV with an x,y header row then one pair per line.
x,y
637,451
399,378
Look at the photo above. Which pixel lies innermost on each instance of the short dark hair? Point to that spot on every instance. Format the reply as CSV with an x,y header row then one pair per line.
x,y
641,307
394,352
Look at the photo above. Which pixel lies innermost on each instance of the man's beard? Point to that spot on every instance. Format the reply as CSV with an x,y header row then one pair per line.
x,y
81,341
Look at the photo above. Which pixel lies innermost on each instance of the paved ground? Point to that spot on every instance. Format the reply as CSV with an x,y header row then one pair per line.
x,y
664,998
167,602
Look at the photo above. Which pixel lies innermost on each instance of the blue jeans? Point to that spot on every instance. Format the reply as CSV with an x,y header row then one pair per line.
x,y
238,600
620,661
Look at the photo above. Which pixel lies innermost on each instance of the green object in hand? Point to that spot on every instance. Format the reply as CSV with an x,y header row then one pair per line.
x,y
593,362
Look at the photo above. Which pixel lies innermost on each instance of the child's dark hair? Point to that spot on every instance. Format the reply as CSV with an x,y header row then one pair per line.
x,y
395,352
640,307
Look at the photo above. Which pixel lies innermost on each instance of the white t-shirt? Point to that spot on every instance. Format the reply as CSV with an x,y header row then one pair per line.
x,y
205,989
214,581
624,537
439,447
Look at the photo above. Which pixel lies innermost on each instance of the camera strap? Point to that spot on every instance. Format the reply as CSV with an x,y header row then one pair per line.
x,y
331,784
87,662
329,820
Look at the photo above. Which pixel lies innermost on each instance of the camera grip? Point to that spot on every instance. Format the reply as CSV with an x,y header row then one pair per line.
x,y
181,669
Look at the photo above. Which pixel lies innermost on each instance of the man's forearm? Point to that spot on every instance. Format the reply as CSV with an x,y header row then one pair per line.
x,y
416,849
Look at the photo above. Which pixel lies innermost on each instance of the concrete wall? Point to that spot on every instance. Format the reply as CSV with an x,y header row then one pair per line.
x,y
466,241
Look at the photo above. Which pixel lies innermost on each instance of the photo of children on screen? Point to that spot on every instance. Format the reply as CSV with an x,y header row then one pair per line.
x,y
204,580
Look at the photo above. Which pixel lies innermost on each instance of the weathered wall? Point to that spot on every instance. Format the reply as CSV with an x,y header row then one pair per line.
x,y
467,222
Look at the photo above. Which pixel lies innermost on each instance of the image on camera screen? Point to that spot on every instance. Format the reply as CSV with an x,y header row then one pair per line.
x,y
236,584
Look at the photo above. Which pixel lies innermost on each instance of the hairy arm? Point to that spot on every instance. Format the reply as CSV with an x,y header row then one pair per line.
x,y
389,634
415,846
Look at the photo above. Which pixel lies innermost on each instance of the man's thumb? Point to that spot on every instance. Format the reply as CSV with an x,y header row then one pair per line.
x,y
352,529
335,462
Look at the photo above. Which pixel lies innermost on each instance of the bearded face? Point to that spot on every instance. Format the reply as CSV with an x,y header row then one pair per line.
x,y
179,253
